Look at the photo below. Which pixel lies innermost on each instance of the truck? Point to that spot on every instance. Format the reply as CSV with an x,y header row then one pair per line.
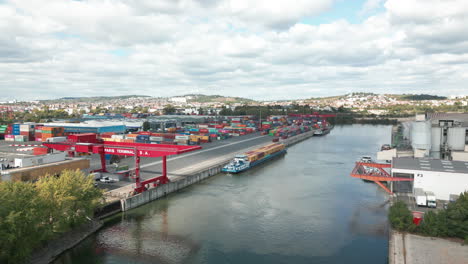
x,y
431,200
420,197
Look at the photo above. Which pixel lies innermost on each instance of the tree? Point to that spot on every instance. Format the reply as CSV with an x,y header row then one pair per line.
x,y
72,198
169,109
225,111
146,126
21,221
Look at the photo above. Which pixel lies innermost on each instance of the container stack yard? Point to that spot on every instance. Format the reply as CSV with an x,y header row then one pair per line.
x,y
166,130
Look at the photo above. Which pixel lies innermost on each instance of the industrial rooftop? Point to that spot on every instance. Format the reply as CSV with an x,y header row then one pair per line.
x,y
425,164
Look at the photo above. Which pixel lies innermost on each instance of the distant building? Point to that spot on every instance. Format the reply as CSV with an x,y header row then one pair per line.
x,y
182,100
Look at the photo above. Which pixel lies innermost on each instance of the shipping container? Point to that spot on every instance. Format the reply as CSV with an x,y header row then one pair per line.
x,y
83,138
56,139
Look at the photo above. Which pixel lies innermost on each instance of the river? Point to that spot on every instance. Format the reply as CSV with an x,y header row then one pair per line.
x,y
300,208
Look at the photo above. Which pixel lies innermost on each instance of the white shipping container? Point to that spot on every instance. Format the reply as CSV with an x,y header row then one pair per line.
x,y
38,160
186,137
156,139
56,139
26,128
118,136
19,137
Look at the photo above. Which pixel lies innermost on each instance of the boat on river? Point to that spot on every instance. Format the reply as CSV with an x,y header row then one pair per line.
x,y
255,157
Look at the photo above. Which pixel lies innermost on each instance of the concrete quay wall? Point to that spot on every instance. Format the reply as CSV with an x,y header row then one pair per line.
x,y
163,190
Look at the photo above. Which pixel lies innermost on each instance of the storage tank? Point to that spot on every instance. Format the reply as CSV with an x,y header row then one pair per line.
x,y
436,138
456,138
421,135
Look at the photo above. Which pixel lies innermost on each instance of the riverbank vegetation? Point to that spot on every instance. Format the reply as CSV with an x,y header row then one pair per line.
x,y
450,222
33,213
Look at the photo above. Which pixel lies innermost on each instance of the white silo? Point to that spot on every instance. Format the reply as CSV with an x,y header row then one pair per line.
x,y
436,138
456,138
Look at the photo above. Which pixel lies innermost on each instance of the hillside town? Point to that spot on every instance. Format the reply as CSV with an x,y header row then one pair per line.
x,y
376,104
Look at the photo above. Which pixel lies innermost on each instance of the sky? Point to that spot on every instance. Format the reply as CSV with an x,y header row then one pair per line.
x,y
259,49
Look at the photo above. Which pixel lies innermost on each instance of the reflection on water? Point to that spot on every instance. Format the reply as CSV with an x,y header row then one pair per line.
x,y
301,208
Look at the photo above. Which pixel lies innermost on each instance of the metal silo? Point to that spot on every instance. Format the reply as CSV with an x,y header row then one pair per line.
x,y
436,138
421,135
456,138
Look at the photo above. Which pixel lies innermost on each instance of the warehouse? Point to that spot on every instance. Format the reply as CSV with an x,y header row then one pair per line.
x,y
90,127
442,177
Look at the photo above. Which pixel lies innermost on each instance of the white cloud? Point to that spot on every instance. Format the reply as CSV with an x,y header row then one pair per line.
x,y
245,48
369,6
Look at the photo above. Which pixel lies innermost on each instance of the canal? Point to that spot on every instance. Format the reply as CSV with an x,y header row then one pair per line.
x,y
301,208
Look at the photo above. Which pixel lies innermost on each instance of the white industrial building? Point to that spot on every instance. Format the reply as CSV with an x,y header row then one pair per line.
x,y
437,135
442,177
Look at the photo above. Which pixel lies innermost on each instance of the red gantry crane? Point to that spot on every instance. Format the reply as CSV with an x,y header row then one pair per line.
x,y
88,143
375,172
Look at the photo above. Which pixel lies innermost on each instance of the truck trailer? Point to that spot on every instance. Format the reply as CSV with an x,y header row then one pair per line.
x,y
420,197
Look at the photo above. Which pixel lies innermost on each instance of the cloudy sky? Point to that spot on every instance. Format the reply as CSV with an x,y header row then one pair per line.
x,y
261,49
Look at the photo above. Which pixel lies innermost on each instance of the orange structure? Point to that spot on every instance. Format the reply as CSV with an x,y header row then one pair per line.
x,y
375,172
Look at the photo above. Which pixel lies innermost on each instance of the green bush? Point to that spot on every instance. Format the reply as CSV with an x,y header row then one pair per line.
x,y
400,217
452,222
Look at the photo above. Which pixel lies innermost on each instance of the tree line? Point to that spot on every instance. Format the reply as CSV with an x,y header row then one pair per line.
x,y
33,213
450,222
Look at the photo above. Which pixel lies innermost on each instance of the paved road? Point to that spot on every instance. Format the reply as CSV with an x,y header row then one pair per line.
x,y
151,167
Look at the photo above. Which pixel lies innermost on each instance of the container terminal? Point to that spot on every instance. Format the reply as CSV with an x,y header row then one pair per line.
x,y
128,162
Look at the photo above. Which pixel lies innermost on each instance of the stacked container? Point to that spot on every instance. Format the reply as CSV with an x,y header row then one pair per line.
x,y
260,153
9,137
16,129
143,139
182,139
38,133
20,138
3,131
48,132
27,130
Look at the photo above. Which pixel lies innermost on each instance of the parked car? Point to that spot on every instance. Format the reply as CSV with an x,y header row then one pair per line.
x,y
108,180
366,159
386,147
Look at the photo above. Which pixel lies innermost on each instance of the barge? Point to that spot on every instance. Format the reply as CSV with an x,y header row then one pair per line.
x,y
255,157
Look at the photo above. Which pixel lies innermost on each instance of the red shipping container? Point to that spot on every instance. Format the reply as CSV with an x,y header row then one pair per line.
x,y
169,136
203,130
144,133
40,151
83,138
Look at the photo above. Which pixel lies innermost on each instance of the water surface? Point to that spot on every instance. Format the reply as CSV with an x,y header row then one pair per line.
x,y
300,208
